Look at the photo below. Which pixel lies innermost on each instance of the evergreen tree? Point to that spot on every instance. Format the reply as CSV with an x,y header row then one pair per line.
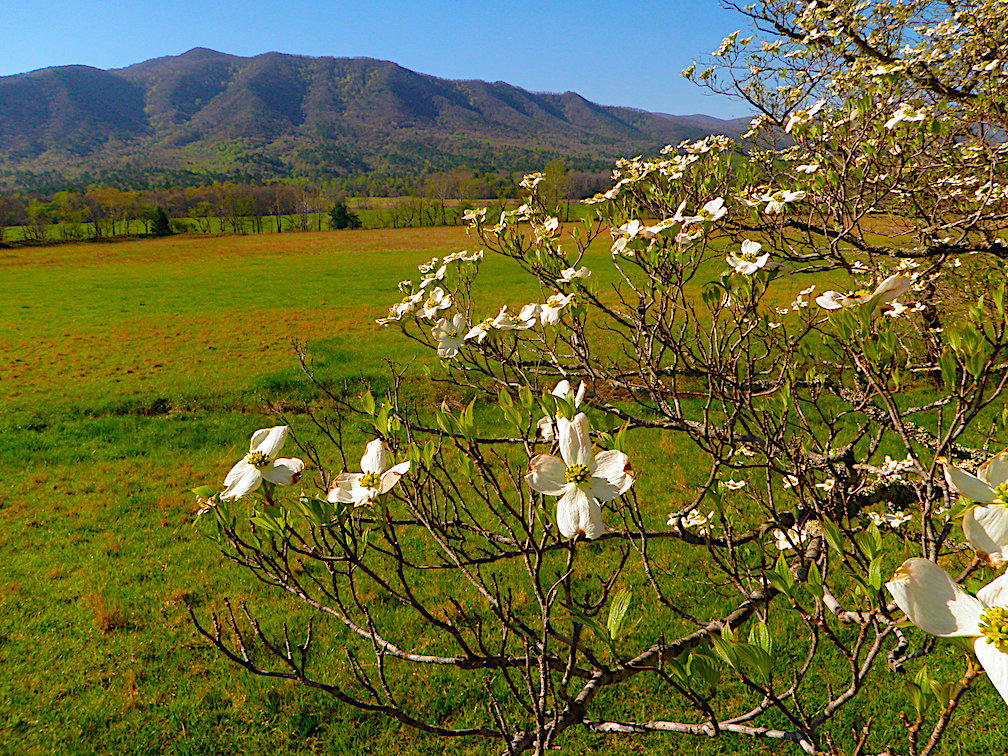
x,y
341,216
160,223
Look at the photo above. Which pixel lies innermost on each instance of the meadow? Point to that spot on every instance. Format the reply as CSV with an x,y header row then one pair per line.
x,y
134,371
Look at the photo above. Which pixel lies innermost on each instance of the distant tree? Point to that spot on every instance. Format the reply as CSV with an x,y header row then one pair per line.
x,y
341,216
160,223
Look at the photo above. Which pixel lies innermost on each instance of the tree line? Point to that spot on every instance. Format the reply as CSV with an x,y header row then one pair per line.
x,y
102,212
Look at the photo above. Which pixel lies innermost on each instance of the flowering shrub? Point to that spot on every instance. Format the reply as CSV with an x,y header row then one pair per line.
x,y
838,428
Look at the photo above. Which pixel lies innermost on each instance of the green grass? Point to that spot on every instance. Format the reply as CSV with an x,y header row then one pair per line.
x,y
137,370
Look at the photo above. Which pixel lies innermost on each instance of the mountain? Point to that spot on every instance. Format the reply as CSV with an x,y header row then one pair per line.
x,y
277,114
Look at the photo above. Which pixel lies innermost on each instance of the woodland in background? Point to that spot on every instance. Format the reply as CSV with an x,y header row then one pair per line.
x,y
383,201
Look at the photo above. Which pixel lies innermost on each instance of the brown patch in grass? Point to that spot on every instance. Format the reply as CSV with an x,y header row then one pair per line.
x,y
108,614
55,573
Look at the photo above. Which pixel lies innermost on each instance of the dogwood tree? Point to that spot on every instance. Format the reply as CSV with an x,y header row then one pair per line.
x,y
811,322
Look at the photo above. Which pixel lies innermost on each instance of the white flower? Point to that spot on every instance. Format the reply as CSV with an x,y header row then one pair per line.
x,y
438,300
549,313
262,462
531,180
693,520
506,321
787,540
450,336
733,485
828,485
473,216
749,260
569,274
935,604
373,480
580,478
884,293
562,390
905,112
790,481
800,117
430,278
710,212
777,200
894,520
402,308
808,169
985,525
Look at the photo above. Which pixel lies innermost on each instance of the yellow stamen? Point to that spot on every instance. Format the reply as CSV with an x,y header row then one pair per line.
x,y
577,474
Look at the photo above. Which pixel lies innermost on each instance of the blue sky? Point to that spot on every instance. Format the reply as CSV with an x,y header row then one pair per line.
x,y
615,53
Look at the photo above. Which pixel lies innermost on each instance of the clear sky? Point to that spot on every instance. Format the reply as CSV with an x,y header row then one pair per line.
x,y
615,53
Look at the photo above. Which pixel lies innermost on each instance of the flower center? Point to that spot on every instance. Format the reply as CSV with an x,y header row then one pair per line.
x,y
748,257
451,333
994,627
258,460
370,480
862,292
577,474
1001,494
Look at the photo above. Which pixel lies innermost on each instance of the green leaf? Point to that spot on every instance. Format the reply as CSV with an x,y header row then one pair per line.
x,y
833,536
368,403
618,612
205,492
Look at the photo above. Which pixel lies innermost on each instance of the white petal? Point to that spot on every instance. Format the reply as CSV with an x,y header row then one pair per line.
x,y
575,441
995,593
830,300
580,395
283,471
269,441
995,470
243,478
577,513
986,529
546,474
375,458
342,488
930,599
562,388
995,664
891,288
968,484
544,428
392,475
612,475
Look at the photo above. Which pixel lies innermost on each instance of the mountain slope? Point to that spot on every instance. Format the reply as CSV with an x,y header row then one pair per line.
x,y
277,114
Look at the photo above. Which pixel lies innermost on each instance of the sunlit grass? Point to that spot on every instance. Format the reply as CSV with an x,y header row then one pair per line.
x,y
139,369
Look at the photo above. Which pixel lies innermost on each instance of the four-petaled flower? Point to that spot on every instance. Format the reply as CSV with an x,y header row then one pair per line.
x,y
884,293
580,478
934,603
262,462
986,524
450,335
748,260
375,478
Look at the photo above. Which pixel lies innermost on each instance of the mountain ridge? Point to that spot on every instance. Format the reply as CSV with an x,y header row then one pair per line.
x,y
276,113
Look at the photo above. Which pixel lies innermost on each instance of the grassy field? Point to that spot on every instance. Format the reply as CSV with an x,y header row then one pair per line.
x,y
134,371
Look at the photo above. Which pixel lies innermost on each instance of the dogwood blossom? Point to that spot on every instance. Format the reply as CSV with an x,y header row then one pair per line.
x,y
438,300
985,525
934,603
694,520
562,390
884,293
905,112
569,274
261,463
748,260
580,478
450,335
375,478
